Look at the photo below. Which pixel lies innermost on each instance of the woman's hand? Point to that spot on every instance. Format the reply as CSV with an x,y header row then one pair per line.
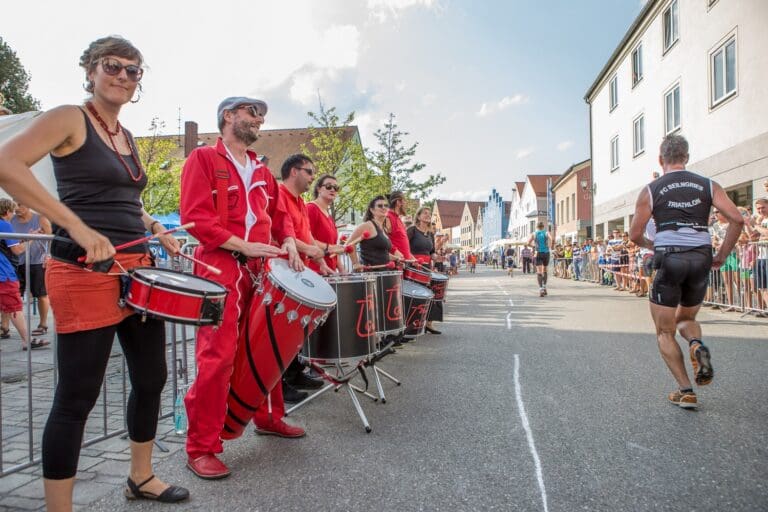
x,y
97,246
170,244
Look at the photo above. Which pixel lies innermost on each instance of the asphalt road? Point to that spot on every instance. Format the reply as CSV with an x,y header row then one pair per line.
x,y
523,403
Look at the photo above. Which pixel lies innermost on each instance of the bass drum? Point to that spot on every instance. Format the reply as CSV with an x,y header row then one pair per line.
x,y
349,333
287,309
438,283
416,302
389,303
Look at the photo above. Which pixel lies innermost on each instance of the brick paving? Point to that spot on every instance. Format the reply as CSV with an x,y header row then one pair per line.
x,y
102,466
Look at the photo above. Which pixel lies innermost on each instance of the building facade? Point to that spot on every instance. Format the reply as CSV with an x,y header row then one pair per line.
x,y
468,224
573,203
694,67
495,218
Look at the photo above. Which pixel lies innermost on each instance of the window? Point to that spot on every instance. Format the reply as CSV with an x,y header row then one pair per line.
x,y
670,20
573,206
614,92
638,135
672,110
637,64
567,209
615,153
723,64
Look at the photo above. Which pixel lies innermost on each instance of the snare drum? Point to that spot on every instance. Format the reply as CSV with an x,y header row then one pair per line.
x,y
284,312
416,302
416,274
349,333
175,296
438,283
389,303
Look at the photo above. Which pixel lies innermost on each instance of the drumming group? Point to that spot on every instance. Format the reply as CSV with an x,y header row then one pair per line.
x,y
274,288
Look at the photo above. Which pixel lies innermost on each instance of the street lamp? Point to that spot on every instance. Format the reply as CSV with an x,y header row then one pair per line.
x,y
589,193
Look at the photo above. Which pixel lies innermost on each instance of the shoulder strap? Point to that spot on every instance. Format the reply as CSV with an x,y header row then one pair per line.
x,y
222,186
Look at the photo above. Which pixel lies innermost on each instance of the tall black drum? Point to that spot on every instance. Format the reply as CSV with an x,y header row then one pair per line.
x,y
389,303
349,333
416,302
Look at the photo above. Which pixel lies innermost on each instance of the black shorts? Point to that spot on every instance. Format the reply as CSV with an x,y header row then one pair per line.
x,y
36,280
681,277
542,258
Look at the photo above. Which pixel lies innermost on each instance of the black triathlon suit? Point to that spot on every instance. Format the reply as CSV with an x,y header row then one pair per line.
x,y
681,199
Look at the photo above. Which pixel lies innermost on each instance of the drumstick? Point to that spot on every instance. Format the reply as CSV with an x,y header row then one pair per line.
x,y
210,268
147,238
365,236
389,265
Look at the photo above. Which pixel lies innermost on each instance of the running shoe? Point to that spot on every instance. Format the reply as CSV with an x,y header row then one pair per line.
x,y
702,366
542,292
685,400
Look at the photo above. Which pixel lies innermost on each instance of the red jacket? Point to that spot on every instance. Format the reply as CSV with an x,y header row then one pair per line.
x,y
398,236
198,190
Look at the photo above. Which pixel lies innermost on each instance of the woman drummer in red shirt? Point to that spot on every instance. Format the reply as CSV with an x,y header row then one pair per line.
x,y
321,222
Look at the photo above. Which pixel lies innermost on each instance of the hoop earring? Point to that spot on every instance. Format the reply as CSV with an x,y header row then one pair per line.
x,y
88,86
139,96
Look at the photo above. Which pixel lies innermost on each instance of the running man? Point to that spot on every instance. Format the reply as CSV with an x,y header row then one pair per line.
x,y
679,203
541,241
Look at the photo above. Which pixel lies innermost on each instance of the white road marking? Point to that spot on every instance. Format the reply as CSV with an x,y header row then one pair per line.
x,y
529,434
509,321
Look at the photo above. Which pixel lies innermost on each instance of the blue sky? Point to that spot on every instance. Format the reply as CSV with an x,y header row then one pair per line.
x,y
491,90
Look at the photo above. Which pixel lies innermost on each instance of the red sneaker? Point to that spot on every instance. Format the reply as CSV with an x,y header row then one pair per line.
x,y
281,429
208,467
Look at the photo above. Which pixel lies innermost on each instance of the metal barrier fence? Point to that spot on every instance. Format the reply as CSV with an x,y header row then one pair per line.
x,y
741,284
27,386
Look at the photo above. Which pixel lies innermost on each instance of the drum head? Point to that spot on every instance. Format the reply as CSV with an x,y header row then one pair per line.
x,y
437,276
411,289
174,280
306,286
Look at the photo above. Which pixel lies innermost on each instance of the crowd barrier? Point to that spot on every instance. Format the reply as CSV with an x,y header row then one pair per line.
x,y
27,386
741,284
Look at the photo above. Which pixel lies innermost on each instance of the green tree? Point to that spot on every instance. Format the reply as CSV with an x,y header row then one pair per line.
x,y
163,171
14,82
393,161
335,152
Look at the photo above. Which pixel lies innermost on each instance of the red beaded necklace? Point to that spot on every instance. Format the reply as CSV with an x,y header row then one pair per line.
x,y
111,135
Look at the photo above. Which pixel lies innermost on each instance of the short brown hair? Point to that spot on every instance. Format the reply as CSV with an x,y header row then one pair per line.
x,y
104,47
6,205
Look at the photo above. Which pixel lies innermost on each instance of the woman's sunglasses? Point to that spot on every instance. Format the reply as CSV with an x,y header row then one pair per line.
x,y
113,67
381,205
329,187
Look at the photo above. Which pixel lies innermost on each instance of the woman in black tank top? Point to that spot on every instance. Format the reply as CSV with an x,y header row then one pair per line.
x,y
99,180
375,244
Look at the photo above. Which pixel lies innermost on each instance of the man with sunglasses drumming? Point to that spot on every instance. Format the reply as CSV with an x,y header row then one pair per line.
x,y
235,203
679,203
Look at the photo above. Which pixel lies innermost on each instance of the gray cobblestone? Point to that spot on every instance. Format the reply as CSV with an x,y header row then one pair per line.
x,y
17,503
14,481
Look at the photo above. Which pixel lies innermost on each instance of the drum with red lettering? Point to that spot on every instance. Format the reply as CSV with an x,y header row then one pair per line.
x,y
175,296
438,283
417,274
416,302
285,311
349,333
389,303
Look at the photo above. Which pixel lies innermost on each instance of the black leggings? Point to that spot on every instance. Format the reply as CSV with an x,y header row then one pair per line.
x,y
83,358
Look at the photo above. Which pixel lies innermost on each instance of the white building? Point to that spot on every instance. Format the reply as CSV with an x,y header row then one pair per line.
x,y
694,67
531,208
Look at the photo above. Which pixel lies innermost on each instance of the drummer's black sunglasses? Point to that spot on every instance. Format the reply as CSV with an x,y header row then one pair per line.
x,y
112,67
328,186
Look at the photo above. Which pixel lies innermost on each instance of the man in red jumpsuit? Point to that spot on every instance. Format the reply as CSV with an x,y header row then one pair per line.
x,y
234,235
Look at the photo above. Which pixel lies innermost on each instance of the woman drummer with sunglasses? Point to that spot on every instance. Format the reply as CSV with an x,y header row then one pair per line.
x,y
375,247
321,221
99,180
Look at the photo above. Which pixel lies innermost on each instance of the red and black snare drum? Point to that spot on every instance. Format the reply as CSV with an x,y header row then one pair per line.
x,y
175,296
416,274
438,283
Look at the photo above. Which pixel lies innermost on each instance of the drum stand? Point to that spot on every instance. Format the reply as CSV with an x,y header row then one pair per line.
x,y
372,362
336,382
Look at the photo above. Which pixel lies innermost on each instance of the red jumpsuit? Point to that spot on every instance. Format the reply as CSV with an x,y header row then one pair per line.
x,y
323,229
254,215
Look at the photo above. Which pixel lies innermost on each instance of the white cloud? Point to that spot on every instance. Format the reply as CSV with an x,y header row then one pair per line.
x,y
468,195
564,145
488,108
400,86
383,10
337,48
523,152
428,99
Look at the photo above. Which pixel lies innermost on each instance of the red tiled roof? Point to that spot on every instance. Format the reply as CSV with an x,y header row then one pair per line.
x,y
539,182
474,208
520,186
450,212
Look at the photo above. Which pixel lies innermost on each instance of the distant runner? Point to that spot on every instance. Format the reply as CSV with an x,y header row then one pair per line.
x,y
541,241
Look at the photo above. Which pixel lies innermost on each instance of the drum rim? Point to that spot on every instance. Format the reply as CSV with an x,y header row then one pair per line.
x,y
302,300
386,273
359,277
177,288
160,315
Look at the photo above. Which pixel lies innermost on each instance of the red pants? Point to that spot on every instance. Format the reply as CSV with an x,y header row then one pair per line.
x,y
215,350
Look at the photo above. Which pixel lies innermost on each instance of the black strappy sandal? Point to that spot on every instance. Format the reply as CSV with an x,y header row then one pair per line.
x,y
4,333
172,494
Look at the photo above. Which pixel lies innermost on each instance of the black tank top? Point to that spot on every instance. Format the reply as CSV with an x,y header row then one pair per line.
x,y
681,199
421,243
94,184
375,251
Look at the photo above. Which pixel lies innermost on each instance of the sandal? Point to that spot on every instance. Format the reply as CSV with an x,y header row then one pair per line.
x,y
5,333
172,494
36,344
41,329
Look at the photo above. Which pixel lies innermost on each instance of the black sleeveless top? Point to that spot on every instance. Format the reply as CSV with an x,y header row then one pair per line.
x,y
94,184
681,199
421,243
375,251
